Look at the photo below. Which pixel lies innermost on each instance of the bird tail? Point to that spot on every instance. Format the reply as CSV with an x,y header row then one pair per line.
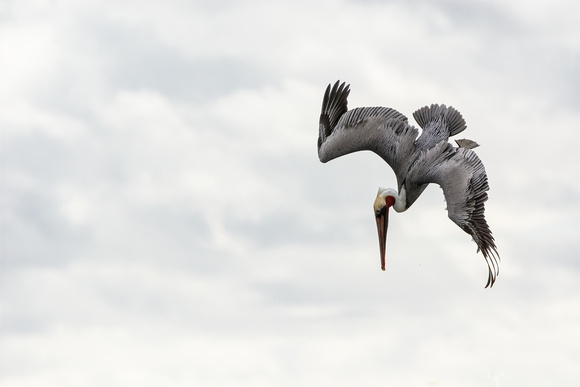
x,y
452,119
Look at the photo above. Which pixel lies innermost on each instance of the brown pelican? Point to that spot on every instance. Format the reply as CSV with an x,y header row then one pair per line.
x,y
416,161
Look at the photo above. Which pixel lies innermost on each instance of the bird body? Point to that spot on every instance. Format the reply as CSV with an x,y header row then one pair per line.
x,y
416,160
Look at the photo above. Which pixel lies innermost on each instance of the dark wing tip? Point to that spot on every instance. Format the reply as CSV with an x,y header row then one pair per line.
x,y
481,233
334,105
492,259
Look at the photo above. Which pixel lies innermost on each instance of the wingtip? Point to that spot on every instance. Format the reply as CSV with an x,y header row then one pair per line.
x,y
334,105
492,259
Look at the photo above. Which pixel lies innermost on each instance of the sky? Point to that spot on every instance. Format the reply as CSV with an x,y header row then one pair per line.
x,y
165,219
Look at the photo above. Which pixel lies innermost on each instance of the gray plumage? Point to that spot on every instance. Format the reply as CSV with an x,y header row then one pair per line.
x,y
416,160
466,143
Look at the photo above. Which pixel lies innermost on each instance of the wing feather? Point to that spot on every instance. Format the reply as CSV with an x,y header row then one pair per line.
x,y
379,129
462,176
334,105
358,115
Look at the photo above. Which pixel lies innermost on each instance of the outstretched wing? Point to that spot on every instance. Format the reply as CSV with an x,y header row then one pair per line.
x,y
461,175
382,130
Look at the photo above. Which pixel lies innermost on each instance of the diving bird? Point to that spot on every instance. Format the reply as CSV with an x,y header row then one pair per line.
x,y
416,160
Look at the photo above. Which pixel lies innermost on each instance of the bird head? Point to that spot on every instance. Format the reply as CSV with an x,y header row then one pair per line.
x,y
385,199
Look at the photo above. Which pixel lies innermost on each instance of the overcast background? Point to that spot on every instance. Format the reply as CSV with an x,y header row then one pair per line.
x,y
166,221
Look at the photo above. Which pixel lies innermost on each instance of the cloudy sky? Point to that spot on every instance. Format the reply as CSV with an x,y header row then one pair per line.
x,y
166,221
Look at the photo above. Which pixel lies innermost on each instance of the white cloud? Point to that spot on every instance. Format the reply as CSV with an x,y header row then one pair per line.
x,y
166,219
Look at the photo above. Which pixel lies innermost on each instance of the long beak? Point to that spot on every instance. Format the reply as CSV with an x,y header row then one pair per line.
x,y
382,226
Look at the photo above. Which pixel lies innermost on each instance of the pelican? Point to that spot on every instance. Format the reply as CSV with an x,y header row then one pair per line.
x,y
416,160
